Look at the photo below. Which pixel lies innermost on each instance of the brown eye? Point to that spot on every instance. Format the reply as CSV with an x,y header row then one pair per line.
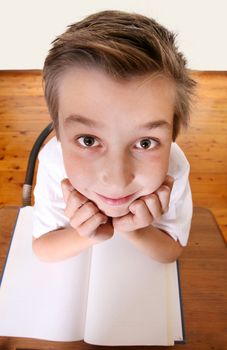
x,y
146,144
87,141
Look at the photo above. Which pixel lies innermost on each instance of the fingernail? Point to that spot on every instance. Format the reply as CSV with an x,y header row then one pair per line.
x,y
132,208
69,185
170,178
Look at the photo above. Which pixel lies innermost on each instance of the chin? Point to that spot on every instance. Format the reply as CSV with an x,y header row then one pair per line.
x,y
114,212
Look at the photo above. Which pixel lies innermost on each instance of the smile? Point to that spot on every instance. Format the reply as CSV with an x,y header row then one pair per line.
x,y
115,201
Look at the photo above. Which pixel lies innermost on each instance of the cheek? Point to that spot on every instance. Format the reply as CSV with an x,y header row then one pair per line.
x,y
78,171
154,173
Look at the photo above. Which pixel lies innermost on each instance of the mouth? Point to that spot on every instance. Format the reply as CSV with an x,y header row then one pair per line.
x,y
116,201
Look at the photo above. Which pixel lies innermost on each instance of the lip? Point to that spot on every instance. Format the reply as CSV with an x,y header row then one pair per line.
x,y
116,201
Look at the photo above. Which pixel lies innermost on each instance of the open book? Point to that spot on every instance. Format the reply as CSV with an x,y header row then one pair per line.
x,y
111,294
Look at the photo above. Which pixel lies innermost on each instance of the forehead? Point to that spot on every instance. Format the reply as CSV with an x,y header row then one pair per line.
x,y
93,94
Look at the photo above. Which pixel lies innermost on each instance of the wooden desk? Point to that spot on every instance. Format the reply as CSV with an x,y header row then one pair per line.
x,y
203,271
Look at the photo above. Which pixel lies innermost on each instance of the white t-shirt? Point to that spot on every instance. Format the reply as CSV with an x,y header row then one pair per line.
x,y
49,203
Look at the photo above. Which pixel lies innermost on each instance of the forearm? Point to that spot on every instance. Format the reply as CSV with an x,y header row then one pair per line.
x,y
60,244
155,243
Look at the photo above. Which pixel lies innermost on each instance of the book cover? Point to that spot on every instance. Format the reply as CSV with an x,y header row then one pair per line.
x,y
111,294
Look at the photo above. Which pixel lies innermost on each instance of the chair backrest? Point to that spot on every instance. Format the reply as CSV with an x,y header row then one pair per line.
x,y
27,187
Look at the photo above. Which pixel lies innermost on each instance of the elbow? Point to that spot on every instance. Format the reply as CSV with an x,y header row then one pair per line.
x,y
36,248
172,254
39,250
175,253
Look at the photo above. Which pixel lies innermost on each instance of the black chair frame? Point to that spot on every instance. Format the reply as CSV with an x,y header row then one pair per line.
x,y
28,182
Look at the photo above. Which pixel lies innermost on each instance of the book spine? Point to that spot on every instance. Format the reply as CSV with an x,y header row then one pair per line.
x,y
183,341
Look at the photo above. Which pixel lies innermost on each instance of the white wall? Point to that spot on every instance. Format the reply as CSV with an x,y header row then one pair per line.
x,y
28,26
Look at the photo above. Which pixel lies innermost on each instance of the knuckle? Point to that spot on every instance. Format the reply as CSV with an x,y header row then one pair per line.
x,y
73,222
66,211
91,208
164,189
158,214
100,217
64,182
149,221
149,218
139,203
74,196
152,199
165,210
82,232
76,200
82,229
66,185
170,180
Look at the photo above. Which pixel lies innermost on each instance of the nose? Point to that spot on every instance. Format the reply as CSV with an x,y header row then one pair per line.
x,y
117,172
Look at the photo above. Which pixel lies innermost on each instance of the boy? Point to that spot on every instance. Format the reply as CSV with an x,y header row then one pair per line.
x,y
118,91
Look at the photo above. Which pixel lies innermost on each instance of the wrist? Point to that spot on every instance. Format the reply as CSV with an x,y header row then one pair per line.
x,y
139,234
129,234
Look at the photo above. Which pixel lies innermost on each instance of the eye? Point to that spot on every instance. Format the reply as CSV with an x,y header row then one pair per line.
x,y
87,141
147,144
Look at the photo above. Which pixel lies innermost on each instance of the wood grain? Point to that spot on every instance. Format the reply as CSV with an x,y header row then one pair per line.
x,y
23,114
205,144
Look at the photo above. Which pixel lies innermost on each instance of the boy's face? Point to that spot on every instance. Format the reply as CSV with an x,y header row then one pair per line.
x,y
115,136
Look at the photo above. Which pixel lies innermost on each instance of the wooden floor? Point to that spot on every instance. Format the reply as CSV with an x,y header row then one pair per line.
x,y
23,115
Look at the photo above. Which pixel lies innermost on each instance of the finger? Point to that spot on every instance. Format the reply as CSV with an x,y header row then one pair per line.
x,y
72,198
105,230
154,205
85,212
163,194
74,202
143,217
89,227
169,181
67,188
124,223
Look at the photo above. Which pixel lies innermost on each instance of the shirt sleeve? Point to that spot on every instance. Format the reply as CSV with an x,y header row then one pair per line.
x,y
177,220
49,204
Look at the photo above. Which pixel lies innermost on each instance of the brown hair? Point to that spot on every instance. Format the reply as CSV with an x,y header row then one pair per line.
x,y
123,45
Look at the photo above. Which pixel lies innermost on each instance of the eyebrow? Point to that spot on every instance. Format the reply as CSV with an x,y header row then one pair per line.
x,y
74,118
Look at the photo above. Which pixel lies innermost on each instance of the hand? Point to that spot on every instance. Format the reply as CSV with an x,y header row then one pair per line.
x,y
146,209
85,217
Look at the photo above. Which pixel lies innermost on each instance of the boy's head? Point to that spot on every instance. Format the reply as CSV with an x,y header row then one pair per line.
x,y
123,45
117,91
